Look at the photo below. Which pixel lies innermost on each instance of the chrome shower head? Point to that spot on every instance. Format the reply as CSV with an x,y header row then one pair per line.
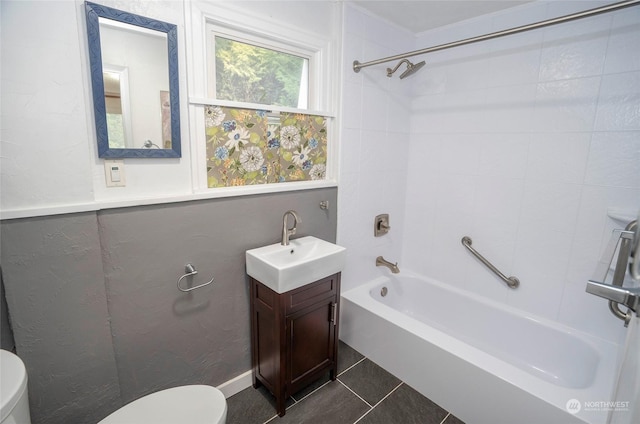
x,y
411,68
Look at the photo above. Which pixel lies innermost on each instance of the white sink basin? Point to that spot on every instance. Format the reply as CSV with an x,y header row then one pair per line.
x,y
303,261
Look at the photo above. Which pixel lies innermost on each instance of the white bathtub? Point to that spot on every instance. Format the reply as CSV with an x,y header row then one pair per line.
x,y
481,360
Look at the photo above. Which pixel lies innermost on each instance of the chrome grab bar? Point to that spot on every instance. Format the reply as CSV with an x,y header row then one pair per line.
x,y
512,281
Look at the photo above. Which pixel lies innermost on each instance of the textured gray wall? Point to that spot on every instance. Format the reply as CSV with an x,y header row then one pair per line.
x,y
120,266
6,334
55,291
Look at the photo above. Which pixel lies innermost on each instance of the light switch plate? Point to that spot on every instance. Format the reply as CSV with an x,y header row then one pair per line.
x,y
114,173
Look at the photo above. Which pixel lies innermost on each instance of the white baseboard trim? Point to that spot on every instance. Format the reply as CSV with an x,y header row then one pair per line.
x,y
235,385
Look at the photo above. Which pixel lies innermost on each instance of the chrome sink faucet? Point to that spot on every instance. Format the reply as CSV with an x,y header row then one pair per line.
x,y
380,261
286,232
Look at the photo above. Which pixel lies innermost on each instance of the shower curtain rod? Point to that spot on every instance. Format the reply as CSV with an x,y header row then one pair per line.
x,y
584,14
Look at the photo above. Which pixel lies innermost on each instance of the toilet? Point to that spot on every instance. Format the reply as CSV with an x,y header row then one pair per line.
x,y
195,404
14,398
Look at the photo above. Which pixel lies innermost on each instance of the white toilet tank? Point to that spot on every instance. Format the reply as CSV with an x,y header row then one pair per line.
x,y
13,390
196,404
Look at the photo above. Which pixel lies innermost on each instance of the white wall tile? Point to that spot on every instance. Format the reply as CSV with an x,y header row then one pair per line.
x,y
515,59
424,159
619,102
352,105
350,151
375,148
566,105
374,111
540,264
550,206
496,209
623,54
353,47
614,159
503,155
508,108
427,114
558,157
593,226
460,153
431,79
354,20
574,49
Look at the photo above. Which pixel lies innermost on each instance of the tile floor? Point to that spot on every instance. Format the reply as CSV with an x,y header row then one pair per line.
x,y
364,393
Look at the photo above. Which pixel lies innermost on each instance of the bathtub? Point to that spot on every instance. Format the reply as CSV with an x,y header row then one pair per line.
x,y
481,360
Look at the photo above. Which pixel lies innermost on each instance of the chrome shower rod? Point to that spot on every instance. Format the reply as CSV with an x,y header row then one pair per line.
x,y
584,14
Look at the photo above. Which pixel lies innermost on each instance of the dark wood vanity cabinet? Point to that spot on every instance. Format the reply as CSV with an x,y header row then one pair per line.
x,y
294,336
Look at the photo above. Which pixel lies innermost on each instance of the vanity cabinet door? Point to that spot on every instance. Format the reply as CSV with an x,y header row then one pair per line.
x,y
294,336
311,343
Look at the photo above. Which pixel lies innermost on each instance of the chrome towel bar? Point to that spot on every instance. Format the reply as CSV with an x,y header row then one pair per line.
x,y
190,270
512,282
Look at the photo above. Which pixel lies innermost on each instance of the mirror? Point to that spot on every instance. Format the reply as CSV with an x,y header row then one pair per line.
x,y
134,78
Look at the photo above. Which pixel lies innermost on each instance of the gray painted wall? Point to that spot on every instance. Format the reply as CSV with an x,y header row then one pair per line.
x,y
54,285
6,334
96,313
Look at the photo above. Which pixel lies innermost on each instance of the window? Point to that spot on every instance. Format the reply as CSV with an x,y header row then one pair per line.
x,y
244,67
254,74
263,103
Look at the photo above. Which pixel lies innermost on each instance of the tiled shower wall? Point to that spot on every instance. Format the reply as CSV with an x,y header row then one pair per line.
x,y
374,146
523,143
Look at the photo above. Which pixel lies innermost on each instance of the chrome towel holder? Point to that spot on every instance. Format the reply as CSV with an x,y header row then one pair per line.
x,y
191,270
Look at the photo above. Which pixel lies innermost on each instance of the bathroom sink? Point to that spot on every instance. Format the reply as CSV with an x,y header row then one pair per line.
x,y
303,261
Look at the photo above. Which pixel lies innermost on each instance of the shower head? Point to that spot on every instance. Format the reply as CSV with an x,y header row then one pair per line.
x,y
411,68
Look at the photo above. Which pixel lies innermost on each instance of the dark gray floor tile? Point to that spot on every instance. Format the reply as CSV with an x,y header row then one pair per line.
x,y
451,419
405,406
252,406
311,387
347,356
370,381
332,404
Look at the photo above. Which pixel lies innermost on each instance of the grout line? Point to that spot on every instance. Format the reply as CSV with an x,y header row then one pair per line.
x,y
271,419
306,396
389,394
445,418
363,415
349,388
379,402
352,366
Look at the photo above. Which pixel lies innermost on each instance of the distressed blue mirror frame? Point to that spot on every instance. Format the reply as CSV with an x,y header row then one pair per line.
x,y
95,11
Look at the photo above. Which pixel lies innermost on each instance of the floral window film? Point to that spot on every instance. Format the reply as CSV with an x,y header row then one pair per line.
x,y
303,142
236,142
247,147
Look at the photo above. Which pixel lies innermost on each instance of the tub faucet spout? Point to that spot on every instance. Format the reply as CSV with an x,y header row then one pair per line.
x,y
380,261
286,232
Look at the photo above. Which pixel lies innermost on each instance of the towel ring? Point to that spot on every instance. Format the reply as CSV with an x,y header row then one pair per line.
x,y
190,270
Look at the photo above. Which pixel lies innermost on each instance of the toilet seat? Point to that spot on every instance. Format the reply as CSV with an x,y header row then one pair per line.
x,y
196,404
